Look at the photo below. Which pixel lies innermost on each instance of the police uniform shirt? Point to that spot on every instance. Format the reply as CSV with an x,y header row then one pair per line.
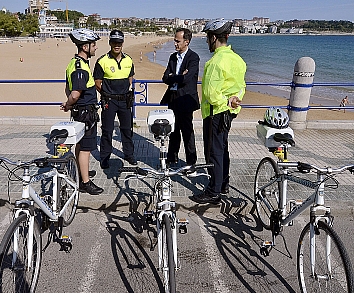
x,y
79,78
114,75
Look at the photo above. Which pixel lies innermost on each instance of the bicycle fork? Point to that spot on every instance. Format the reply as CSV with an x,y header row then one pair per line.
x,y
160,237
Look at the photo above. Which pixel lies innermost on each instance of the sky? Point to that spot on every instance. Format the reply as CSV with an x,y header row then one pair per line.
x,y
191,9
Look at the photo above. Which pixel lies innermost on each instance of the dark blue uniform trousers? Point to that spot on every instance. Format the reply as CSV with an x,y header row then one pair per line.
x,y
125,118
216,147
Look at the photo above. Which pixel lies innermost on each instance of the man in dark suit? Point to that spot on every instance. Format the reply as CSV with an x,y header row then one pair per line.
x,y
181,76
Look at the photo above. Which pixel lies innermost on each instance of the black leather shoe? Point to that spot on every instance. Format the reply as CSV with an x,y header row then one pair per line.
x,y
104,164
90,188
92,173
225,190
206,198
171,162
131,160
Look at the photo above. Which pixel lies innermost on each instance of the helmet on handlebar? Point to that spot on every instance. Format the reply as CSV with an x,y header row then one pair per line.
x,y
276,117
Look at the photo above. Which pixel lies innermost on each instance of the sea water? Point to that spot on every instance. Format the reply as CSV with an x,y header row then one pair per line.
x,y
271,59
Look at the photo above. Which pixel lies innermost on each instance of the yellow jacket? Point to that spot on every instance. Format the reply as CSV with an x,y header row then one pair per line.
x,y
224,76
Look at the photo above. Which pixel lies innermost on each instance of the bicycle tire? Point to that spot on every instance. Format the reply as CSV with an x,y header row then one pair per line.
x,y
65,191
16,277
340,279
168,269
268,200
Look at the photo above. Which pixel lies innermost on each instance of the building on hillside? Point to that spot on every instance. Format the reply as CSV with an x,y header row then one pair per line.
x,y
37,5
59,30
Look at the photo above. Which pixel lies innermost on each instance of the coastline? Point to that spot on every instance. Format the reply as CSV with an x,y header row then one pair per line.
x,y
48,60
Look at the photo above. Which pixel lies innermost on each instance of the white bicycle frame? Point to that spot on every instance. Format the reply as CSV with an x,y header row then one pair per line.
x,y
29,192
164,207
316,203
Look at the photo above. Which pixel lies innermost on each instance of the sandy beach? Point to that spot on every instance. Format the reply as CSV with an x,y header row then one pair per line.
x,y
48,60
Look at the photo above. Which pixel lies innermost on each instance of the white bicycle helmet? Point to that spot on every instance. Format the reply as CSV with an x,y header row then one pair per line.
x,y
276,117
218,26
83,36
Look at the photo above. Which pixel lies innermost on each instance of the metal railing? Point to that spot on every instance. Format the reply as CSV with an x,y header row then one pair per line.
x,y
141,93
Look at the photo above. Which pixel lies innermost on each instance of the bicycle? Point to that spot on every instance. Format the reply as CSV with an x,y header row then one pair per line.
x,y
21,246
322,261
161,125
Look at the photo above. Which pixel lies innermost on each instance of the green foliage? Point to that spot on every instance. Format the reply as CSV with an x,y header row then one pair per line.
x,y
61,15
9,25
30,25
322,25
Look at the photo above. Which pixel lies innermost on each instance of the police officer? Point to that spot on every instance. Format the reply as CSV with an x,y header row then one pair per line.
x,y
223,87
82,100
113,76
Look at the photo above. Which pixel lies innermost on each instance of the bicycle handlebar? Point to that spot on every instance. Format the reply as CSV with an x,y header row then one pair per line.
x,y
185,170
306,168
39,162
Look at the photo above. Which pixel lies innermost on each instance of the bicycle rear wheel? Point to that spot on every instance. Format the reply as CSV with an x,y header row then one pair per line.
x,y
15,276
168,269
266,198
332,270
66,191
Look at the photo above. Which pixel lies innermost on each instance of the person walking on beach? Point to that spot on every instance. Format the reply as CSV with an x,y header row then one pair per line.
x,y
181,76
113,76
344,102
82,100
223,87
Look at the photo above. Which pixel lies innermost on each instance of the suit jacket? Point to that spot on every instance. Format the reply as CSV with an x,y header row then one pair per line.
x,y
186,96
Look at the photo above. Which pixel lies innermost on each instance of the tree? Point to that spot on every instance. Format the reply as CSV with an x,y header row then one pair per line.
x,y
30,25
9,25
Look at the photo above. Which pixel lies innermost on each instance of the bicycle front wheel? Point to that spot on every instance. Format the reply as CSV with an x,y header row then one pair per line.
x,y
66,191
15,273
266,197
330,270
168,269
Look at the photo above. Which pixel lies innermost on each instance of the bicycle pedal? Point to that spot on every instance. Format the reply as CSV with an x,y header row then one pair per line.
x,y
182,225
65,239
148,215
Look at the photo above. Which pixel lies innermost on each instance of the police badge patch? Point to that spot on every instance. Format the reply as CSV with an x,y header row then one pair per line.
x,y
112,69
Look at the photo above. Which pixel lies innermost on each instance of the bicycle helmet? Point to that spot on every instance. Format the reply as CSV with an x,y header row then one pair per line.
x,y
116,36
276,117
83,36
218,26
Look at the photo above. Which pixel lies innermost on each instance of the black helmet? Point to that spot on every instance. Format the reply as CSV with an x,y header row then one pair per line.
x,y
218,26
83,36
116,36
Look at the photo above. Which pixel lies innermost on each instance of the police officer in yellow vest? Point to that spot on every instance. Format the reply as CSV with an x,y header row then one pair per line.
x,y
82,100
113,76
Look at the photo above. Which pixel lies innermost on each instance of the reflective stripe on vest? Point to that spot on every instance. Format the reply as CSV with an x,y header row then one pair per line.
x,y
77,63
111,68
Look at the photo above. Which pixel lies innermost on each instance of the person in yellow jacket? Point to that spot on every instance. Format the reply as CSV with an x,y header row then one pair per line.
x,y
223,87
82,100
113,76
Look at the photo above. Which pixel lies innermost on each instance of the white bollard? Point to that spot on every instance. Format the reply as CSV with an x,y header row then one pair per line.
x,y
304,71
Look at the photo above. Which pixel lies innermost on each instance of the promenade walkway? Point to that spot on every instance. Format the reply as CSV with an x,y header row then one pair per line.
x,y
112,249
321,147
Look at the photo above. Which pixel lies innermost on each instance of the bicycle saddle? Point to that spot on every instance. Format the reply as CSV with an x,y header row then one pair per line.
x,y
284,138
58,135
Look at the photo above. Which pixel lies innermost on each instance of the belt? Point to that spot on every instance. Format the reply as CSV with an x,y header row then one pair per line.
x,y
115,97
